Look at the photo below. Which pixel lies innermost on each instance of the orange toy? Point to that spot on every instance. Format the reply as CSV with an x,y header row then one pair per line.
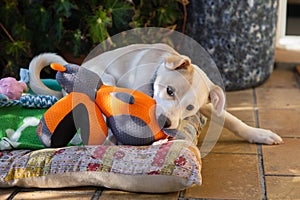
x,y
130,114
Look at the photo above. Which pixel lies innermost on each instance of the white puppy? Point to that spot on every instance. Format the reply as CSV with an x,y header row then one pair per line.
x,y
179,87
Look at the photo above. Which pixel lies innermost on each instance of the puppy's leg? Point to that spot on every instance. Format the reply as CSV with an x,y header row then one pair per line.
x,y
239,128
251,134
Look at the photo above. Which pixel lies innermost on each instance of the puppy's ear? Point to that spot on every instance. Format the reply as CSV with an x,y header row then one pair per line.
x,y
178,62
217,98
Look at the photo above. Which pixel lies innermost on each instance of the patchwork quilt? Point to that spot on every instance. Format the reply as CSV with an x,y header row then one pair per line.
x,y
167,167
158,168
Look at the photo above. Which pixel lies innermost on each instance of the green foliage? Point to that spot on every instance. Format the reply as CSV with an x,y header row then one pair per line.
x,y
156,13
30,27
98,25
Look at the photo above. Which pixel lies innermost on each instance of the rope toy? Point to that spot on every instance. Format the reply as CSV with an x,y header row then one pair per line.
x,y
30,101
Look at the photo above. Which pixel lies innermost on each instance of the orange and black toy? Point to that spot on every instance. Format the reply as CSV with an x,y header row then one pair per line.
x,y
94,107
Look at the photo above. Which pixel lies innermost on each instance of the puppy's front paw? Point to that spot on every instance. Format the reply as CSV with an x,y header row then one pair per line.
x,y
264,137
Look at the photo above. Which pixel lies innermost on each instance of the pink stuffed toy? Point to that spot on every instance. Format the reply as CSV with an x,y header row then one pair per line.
x,y
12,88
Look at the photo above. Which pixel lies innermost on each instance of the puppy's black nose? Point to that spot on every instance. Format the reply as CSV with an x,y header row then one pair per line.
x,y
164,122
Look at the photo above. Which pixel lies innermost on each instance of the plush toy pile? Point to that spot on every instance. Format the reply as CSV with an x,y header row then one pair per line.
x,y
91,110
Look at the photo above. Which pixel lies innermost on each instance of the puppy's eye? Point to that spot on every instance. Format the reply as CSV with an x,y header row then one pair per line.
x,y
170,91
190,107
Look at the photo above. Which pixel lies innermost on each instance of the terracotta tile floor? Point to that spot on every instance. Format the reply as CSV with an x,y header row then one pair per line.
x,y
234,169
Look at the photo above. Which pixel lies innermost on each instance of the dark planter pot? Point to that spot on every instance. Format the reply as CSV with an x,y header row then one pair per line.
x,y
239,35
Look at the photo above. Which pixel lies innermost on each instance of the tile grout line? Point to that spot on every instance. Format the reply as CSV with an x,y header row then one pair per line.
x,y
232,153
283,175
14,193
97,194
181,194
297,77
262,178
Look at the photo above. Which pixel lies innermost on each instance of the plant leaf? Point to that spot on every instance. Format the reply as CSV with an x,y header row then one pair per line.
x,y
64,7
121,12
98,26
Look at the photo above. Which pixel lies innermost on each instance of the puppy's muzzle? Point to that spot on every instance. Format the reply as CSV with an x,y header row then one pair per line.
x,y
164,122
